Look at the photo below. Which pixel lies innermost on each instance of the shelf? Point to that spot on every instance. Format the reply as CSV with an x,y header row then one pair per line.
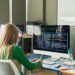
x,y
27,36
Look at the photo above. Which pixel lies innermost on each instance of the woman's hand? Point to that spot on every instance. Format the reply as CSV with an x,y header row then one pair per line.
x,y
41,60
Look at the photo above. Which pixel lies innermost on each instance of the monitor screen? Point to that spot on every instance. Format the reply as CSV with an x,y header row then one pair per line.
x,y
21,29
52,39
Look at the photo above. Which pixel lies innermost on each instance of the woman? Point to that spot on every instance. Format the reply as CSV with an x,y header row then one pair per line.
x,y
9,49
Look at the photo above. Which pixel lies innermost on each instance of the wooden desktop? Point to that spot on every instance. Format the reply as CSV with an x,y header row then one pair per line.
x,y
68,72
27,36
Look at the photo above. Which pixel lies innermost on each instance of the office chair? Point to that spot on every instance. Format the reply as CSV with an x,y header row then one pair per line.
x,y
7,67
24,71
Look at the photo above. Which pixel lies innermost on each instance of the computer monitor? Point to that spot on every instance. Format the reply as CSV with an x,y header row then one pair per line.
x,y
21,31
53,40
2,28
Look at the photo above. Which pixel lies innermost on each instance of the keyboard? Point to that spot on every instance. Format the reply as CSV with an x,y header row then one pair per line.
x,y
50,60
51,66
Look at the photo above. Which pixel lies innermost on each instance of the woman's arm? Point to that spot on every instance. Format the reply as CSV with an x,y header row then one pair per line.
x,y
19,55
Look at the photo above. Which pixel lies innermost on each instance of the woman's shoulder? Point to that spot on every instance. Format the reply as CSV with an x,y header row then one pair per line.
x,y
16,47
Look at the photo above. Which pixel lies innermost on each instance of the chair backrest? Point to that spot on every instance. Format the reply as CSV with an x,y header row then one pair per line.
x,y
7,67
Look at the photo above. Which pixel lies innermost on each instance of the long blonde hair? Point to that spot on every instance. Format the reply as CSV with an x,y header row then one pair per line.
x,y
8,38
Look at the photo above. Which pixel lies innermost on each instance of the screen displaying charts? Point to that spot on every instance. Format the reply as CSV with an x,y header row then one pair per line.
x,y
53,38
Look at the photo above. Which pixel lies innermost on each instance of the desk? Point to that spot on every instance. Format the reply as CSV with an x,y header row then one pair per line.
x,y
68,72
34,56
59,72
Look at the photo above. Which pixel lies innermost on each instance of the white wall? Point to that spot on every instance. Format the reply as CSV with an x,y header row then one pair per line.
x,y
18,11
66,12
4,11
35,10
72,40
51,12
